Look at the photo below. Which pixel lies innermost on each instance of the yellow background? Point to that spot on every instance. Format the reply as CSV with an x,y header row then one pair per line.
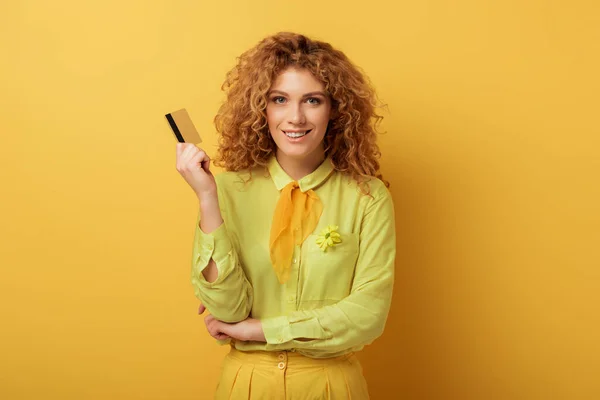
x,y
492,149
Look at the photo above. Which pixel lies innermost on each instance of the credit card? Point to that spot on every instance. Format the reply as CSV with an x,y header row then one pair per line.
x,y
182,126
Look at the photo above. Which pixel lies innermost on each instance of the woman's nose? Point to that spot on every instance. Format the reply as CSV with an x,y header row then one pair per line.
x,y
297,116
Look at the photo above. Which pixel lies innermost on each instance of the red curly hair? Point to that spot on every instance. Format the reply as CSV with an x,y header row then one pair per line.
x,y
350,140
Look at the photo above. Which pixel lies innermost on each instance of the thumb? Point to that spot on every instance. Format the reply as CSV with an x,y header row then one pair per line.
x,y
206,166
201,309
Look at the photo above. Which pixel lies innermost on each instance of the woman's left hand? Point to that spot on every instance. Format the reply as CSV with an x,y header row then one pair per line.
x,y
249,329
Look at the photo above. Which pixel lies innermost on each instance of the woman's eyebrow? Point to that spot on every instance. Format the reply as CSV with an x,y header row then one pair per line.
x,y
304,95
315,94
278,91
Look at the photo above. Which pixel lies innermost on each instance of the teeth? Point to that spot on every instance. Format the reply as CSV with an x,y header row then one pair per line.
x,y
295,135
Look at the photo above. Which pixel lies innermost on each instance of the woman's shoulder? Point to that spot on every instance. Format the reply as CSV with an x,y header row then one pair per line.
x,y
242,178
372,187
224,177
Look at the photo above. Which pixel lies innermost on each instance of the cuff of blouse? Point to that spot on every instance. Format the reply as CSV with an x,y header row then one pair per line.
x,y
215,245
277,330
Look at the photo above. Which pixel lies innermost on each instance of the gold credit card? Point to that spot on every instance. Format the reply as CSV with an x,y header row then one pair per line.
x,y
183,127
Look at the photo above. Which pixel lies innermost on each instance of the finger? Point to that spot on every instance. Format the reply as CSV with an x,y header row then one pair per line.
x,y
210,327
191,161
212,332
208,324
201,309
179,149
220,327
183,155
221,336
188,152
215,328
227,329
206,165
198,161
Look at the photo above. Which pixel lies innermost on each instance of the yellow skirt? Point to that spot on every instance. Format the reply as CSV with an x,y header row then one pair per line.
x,y
286,375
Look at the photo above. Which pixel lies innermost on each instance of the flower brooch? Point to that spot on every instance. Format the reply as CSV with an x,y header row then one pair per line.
x,y
328,237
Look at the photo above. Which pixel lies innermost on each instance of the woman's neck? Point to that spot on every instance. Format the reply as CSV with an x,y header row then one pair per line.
x,y
298,168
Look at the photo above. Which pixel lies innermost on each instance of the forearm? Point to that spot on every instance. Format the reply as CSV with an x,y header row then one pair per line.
x,y
210,213
210,219
355,321
218,278
229,296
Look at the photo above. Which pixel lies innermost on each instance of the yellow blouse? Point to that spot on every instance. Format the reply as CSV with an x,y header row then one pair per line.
x,y
335,301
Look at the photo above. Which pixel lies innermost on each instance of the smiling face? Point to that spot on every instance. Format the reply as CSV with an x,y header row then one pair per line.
x,y
298,111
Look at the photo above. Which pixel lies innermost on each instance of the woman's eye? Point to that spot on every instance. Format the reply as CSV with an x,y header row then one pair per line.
x,y
278,100
313,100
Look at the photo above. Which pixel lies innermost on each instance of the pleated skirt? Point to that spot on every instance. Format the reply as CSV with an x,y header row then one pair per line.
x,y
287,375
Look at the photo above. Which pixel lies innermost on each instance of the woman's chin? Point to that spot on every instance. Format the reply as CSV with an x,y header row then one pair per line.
x,y
300,152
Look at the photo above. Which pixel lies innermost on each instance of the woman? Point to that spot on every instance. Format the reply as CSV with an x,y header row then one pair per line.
x,y
295,245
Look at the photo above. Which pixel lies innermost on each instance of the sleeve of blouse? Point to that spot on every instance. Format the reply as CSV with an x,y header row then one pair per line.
x,y
229,298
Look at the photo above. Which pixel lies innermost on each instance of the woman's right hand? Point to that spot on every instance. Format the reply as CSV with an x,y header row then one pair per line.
x,y
193,164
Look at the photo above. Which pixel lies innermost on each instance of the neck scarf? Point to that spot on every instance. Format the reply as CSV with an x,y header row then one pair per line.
x,y
296,216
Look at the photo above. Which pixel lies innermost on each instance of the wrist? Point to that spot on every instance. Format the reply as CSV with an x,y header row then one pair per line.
x,y
260,334
210,214
208,199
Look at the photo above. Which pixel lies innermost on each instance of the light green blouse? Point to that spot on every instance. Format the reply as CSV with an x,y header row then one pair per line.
x,y
336,301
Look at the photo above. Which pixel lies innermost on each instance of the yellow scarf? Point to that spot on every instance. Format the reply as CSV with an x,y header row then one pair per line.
x,y
296,216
